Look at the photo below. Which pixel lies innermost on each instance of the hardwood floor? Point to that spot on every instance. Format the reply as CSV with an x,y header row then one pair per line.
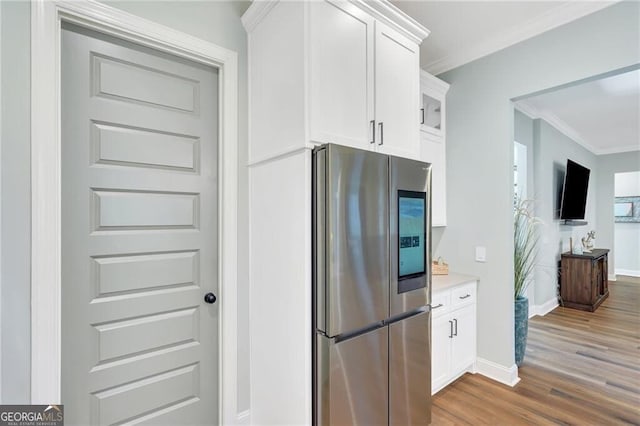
x,y
580,368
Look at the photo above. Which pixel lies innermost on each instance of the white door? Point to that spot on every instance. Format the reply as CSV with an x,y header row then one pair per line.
x,y
441,335
464,339
341,57
432,150
139,234
397,105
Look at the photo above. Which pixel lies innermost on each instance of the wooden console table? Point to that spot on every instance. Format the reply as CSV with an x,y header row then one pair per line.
x,y
583,284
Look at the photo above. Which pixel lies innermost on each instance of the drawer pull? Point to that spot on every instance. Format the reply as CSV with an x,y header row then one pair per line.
x,y
440,305
465,296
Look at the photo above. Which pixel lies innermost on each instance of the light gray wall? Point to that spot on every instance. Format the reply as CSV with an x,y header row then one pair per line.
x,y
523,133
608,166
16,203
627,235
214,21
480,149
627,248
552,149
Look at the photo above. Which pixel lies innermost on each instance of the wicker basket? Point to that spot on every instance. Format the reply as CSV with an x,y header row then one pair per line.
x,y
438,267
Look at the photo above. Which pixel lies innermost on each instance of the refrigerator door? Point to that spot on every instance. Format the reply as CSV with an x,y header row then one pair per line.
x,y
352,380
410,235
410,371
356,240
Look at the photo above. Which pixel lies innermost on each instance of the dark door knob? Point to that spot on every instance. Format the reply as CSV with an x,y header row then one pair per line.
x,y
210,298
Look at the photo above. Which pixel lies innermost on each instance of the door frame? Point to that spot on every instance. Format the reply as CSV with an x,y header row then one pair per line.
x,y
47,17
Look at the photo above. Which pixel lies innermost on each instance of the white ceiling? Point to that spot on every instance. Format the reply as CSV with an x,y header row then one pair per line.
x,y
601,115
462,31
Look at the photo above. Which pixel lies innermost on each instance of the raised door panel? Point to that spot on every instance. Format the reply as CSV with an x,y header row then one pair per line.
x,y
341,69
441,335
432,150
397,106
463,352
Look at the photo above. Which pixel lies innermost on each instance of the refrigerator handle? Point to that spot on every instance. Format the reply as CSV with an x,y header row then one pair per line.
x,y
450,329
319,246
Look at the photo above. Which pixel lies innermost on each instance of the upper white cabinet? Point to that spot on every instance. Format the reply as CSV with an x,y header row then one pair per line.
x,y
350,68
397,79
342,69
433,93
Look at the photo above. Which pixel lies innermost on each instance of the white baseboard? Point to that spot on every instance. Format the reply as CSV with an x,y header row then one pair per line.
x,y
497,372
544,309
627,272
612,277
244,418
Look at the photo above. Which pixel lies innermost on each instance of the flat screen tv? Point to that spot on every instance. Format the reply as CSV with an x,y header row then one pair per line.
x,y
574,191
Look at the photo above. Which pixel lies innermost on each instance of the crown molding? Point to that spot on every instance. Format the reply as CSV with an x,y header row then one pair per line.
x,y
256,13
553,18
618,150
382,10
386,12
561,126
434,83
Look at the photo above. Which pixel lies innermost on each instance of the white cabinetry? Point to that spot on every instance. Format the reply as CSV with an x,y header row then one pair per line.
x,y
341,65
319,72
397,82
453,333
433,93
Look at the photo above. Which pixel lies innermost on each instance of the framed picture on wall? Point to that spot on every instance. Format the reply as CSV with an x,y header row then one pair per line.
x,y
623,209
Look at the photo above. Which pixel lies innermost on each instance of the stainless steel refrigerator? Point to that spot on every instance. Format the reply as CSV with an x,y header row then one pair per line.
x,y
372,288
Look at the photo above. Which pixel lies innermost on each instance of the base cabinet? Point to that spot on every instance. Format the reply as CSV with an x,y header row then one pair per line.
x,y
453,334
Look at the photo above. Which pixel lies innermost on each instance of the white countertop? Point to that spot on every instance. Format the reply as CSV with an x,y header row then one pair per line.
x,y
442,282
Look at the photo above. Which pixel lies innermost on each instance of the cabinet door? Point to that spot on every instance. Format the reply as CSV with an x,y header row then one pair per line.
x,y
441,331
463,350
432,150
397,89
341,74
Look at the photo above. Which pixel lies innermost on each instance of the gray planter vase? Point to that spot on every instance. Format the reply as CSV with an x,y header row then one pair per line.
x,y
521,327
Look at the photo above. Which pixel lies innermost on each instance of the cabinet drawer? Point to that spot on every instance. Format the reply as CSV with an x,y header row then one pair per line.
x,y
463,295
440,303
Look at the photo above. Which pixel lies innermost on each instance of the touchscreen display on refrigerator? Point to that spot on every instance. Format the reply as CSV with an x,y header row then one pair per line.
x,y
411,233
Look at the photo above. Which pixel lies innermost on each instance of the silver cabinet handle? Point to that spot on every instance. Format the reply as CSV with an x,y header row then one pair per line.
x,y
373,131
465,296
422,111
450,329
440,305
455,333
381,133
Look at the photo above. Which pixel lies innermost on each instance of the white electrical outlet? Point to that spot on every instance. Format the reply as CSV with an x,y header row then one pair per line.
x,y
481,254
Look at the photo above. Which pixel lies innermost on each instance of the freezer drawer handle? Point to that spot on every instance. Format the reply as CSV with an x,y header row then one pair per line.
x,y
439,305
450,329
465,296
